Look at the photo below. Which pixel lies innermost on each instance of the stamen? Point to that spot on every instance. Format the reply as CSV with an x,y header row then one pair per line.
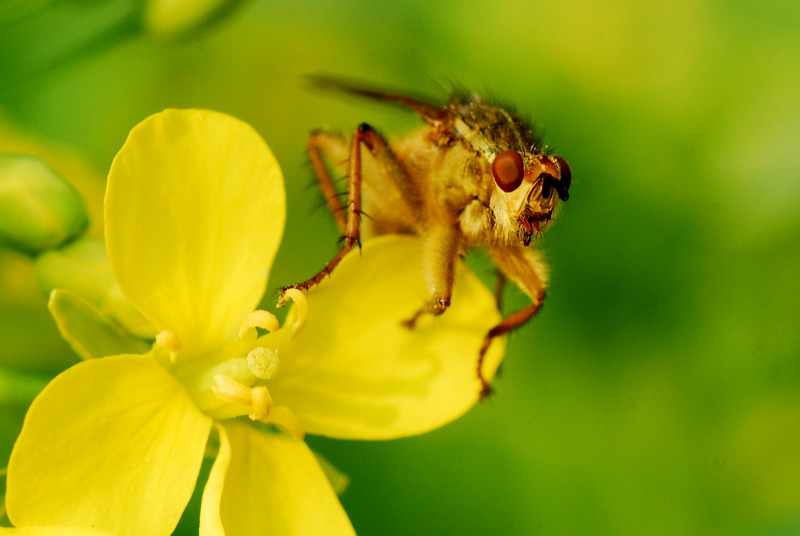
x,y
286,419
169,340
259,319
231,391
302,309
262,403
263,362
234,392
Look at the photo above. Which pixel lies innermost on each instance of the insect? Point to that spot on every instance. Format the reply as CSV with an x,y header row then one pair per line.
x,y
475,176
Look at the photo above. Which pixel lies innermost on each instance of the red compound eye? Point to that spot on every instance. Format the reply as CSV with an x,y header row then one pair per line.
x,y
508,170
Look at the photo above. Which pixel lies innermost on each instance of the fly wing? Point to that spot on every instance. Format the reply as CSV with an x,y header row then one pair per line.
x,y
427,110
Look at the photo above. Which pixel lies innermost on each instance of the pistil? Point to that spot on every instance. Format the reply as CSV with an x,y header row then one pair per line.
x,y
263,362
229,382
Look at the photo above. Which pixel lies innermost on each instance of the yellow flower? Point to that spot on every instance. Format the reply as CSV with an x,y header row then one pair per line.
x,y
52,531
194,213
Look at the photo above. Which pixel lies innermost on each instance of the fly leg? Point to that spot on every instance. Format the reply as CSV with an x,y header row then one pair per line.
x,y
334,147
498,290
375,143
524,267
441,247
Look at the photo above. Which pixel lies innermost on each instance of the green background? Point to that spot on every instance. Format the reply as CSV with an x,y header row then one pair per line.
x,y
658,391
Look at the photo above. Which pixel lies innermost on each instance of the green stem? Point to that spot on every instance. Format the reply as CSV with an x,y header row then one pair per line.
x,y
127,27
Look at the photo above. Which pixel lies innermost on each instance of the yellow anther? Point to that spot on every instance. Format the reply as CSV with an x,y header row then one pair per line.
x,y
263,362
261,402
232,391
284,418
259,319
302,308
169,340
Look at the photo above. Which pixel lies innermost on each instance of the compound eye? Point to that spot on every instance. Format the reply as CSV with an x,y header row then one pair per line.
x,y
508,170
566,174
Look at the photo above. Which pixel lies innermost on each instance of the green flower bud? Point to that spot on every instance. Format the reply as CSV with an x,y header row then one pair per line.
x,y
83,268
180,17
38,208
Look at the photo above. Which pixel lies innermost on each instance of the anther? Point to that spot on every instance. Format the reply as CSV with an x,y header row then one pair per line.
x,y
261,402
263,362
259,319
169,340
302,308
234,392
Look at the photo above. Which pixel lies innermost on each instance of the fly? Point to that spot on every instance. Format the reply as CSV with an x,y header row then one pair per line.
x,y
475,176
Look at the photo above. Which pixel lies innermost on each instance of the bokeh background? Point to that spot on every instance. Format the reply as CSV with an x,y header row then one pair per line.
x,y
658,391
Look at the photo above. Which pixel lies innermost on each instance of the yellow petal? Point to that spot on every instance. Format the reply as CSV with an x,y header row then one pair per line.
x,y
112,443
194,213
52,531
267,483
210,519
355,372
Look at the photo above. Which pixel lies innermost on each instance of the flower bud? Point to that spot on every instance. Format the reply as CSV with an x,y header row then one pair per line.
x,y
179,17
38,208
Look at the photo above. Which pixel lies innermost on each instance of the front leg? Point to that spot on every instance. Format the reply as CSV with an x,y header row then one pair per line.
x,y
375,143
525,268
441,247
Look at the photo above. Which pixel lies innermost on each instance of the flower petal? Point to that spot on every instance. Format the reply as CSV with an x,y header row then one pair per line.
x,y
52,531
112,443
355,372
210,519
194,211
272,485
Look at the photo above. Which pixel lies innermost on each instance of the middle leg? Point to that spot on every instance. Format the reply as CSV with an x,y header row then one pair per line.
x,y
441,247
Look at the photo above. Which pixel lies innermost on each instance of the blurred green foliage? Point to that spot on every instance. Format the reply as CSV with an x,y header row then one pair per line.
x,y
658,391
